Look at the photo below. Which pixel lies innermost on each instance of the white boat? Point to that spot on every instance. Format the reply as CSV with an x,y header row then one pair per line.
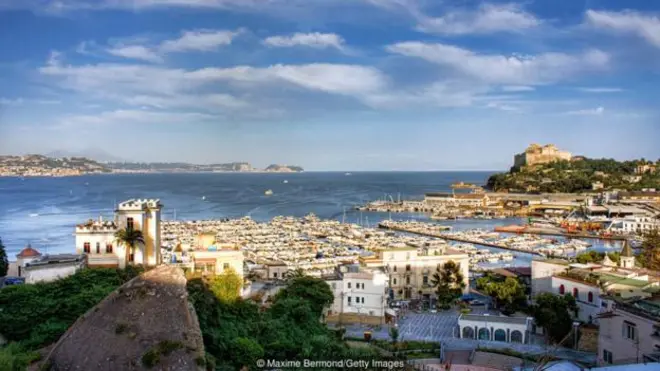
x,y
285,181
268,192
347,174
203,198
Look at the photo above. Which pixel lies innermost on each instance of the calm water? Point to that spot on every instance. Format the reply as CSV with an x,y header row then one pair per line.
x,y
44,211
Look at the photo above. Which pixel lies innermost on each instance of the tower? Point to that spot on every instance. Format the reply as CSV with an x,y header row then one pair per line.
x,y
142,215
627,256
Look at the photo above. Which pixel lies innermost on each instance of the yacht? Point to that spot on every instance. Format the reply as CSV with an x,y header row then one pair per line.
x,y
268,192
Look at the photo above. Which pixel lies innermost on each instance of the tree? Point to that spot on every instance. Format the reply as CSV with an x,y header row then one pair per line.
x,y
227,286
4,263
449,283
314,290
650,256
509,294
295,273
246,352
394,334
553,313
130,238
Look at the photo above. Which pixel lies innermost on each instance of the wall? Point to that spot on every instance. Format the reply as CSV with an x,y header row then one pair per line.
x,y
233,258
118,255
542,272
587,310
611,337
373,294
50,272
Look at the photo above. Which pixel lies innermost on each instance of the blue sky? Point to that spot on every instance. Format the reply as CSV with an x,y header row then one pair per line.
x,y
330,84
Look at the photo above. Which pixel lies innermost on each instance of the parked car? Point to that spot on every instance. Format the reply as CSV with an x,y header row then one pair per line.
x,y
477,303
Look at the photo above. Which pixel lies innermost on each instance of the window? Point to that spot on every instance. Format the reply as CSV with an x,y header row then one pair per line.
x,y
108,248
98,247
425,280
349,301
129,223
590,297
394,281
408,268
394,269
407,280
349,285
274,274
576,293
629,330
131,257
87,248
607,356
562,289
225,266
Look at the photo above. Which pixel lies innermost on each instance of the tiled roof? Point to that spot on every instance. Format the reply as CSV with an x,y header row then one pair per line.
x,y
28,252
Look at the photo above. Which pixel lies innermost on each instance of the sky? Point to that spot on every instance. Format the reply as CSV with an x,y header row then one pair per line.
x,y
330,84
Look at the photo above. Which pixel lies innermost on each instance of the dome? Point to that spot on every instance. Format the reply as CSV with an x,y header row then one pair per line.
x,y
28,252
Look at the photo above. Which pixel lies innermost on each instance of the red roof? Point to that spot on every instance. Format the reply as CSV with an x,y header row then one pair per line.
x,y
28,252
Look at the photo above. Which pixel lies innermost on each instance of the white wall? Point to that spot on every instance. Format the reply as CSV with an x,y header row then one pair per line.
x,y
542,272
587,309
103,238
50,273
370,300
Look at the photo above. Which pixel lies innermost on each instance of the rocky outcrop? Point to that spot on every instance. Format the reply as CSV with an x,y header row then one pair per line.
x,y
146,323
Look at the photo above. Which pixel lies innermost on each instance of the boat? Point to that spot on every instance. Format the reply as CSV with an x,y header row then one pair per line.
x,y
203,198
285,181
268,192
347,174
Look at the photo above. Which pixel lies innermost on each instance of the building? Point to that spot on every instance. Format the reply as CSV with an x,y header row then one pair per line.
x,y
50,268
597,185
645,196
629,331
96,238
495,328
410,270
457,199
542,272
216,261
536,154
636,225
360,295
24,257
645,168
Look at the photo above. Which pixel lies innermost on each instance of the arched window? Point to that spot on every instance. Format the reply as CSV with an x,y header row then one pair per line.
x,y
561,289
468,332
591,297
500,335
484,334
516,336
576,293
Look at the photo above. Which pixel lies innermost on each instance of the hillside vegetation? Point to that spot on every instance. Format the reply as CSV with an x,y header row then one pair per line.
x,y
36,315
575,176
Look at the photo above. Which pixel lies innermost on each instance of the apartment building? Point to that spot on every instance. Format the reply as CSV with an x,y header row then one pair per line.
x,y
359,295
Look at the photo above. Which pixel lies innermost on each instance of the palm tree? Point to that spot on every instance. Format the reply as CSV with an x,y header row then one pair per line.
x,y
130,238
295,273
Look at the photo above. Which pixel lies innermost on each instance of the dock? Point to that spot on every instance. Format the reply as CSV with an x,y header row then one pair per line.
x,y
548,232
451,238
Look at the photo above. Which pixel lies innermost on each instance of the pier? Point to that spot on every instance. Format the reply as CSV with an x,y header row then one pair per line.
x,y
548,232
451,238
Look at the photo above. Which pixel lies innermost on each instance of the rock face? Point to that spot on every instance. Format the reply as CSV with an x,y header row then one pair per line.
x,y
147,323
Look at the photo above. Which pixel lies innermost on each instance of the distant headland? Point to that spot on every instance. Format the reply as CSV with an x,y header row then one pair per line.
x,y
40,165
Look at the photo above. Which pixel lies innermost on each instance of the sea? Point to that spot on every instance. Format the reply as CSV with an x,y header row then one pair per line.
x,y
43,211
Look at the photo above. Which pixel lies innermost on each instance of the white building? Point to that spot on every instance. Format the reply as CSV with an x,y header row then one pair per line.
x,y
542,272
24,257
636,225
358,292
410,270
494,328
97,240
50,268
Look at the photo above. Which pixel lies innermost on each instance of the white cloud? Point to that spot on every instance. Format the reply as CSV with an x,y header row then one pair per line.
x,y
644,26
135,52
600,90
313,40
587,112
502,107
517,88
199,40
488,18
500,69
135,117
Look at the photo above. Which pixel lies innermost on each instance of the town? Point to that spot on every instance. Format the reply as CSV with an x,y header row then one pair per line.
x,y
415,289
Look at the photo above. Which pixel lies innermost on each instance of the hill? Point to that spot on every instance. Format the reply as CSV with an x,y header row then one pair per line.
x,y
284,169
578,176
